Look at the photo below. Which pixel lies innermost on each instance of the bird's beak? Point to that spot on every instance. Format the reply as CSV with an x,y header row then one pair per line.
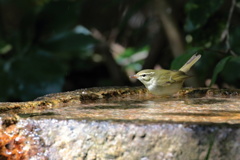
x,y
134,76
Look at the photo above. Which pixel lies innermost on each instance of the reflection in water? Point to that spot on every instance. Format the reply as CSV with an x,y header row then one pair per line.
x,y
205,101
27,115
154,110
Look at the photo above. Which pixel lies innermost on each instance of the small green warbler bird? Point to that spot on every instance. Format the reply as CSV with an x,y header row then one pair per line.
x,y
165,82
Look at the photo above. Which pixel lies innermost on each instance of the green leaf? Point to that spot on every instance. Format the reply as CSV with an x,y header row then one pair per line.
x,y
199,11
58,16
133,57
69,41
34,75
230,73
129,52
219,67
234,38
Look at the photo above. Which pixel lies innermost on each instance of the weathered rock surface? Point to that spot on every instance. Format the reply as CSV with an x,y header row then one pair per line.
x,y
123,123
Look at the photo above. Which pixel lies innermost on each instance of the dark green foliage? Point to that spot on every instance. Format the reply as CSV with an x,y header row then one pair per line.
x,y
213,34
234,39
51,46
37,50
69,42
218,69
230,73
199,12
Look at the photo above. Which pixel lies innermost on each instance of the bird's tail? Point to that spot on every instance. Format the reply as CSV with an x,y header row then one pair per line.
x,y
187,66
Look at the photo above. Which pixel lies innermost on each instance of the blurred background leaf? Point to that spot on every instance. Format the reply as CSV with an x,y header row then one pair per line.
x,y
218,69
36,74
229,74
199,12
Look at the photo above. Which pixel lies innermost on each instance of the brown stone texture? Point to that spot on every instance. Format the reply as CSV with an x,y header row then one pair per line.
x,y
123,123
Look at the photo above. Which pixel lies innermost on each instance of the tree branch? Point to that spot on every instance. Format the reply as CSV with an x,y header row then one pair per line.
x,y
225,36
172,32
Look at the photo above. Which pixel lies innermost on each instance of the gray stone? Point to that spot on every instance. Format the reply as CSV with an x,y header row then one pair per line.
x,y
123,124
72,139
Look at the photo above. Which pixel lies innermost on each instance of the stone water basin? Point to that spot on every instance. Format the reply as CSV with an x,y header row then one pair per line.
x,y
204,110
191,106
127,123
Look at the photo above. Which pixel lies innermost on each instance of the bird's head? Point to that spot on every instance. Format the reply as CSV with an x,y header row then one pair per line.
x,y
145,76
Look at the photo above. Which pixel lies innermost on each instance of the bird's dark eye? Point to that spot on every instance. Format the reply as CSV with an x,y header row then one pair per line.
x,y
143,75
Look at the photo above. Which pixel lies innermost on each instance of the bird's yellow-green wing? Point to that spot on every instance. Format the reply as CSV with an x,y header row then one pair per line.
x,y
167,77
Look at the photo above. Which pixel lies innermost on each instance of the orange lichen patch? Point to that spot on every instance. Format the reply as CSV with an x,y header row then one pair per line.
x,y
16,144
12,144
